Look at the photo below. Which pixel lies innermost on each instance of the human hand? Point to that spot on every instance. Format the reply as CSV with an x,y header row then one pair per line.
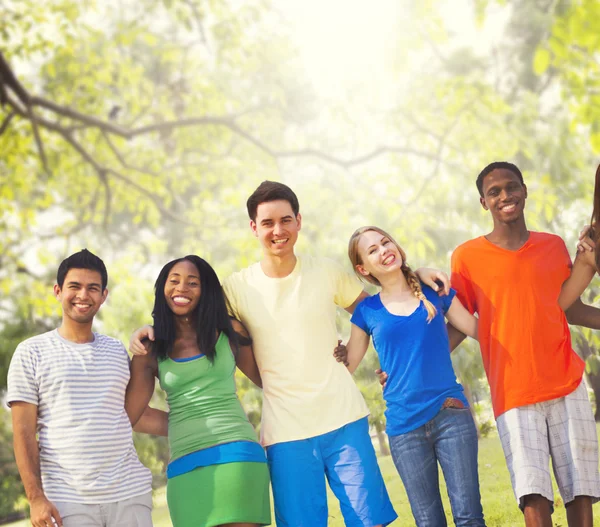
x,y
43,513
586,243
431,277
383,377
585,255
136,347
341,353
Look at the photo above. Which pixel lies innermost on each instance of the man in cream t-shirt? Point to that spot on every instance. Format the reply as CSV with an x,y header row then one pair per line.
x,y
314,419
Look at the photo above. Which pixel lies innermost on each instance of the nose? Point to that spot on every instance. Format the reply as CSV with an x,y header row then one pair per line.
x,y
277,229
504,194
181,286
83,293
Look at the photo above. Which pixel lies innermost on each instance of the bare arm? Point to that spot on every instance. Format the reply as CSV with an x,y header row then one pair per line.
x,y
27,455
359,299
245,359
461,319
136,346
153,421
580,314
144,369
455,336
582,273
357,347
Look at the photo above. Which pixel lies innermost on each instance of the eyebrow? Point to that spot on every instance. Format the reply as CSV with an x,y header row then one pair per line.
x,y
189,276
70,282
289,216
382,238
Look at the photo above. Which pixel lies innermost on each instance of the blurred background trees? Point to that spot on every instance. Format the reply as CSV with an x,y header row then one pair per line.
x,y
138,129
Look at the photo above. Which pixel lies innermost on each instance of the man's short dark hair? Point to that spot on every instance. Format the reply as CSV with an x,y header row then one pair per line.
x,y
271,191
493,166
84,259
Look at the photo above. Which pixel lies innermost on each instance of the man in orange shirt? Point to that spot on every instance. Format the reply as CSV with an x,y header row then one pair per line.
x,y
512,278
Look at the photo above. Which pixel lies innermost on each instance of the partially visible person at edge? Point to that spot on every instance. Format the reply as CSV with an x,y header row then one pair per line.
x,y
68,386
427,417
588,260
218,472
314,419
512,278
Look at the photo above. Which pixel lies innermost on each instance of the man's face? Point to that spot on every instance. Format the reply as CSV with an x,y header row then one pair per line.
x,y
276,227
81,295
503,195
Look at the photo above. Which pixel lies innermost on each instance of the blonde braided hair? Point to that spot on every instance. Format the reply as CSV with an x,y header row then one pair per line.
x,y
409,275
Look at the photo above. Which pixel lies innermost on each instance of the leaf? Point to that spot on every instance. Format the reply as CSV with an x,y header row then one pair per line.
x,y
541,61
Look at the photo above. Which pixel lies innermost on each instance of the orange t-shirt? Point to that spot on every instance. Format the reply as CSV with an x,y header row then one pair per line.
x,y
523,333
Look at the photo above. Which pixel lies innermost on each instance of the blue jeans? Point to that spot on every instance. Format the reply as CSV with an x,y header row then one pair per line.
x,y
450,438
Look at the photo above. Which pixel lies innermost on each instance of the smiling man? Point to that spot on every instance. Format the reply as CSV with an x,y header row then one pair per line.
x,y
68,387
512,279
314,419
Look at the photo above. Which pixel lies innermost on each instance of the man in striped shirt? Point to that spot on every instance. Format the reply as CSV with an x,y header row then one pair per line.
x,y
68,386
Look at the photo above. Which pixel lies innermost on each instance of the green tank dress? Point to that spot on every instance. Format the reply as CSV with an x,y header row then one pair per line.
x,y
218,472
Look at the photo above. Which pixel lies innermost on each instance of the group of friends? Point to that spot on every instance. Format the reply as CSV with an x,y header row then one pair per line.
x,y
75,395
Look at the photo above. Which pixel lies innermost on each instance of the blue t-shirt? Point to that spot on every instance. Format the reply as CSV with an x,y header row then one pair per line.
x,y
416,357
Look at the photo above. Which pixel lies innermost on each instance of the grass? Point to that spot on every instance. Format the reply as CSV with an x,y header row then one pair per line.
x,y
499,505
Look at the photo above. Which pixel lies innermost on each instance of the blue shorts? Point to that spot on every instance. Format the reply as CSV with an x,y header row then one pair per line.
x,y
347,457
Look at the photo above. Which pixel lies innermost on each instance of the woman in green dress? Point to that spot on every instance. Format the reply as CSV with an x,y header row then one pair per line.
x,y
218,474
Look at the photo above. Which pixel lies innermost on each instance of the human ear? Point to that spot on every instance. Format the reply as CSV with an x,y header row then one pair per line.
x,y
483,204
253,227
362,270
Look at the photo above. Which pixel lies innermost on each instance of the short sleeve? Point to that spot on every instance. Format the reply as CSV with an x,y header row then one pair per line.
x,y
446,300
347,287
230,297
462,283
358,318
565,257
22,384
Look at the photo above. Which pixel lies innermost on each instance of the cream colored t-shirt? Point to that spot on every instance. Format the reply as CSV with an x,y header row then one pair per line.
x,y
292,324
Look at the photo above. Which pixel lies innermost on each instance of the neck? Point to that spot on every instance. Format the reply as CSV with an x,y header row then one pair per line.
x,y
510,235
394,283
184,325
76,332
278,266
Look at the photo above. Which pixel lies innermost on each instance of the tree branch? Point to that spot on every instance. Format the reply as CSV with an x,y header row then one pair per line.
x,y
38,140
122,159
6,122
8,78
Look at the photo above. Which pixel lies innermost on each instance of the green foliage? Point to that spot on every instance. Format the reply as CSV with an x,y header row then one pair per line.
x,y
220,99
11,488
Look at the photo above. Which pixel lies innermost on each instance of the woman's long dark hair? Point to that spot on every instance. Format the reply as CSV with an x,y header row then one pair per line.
x,y
595,231
211,317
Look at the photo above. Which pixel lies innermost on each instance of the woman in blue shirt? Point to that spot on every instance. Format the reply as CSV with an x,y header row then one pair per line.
x,y
428,419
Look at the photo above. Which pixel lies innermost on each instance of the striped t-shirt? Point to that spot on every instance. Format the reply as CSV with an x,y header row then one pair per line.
x,y
86,448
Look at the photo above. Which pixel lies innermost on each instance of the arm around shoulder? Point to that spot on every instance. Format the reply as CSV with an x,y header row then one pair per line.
x,y
357,347
144,369
582,273
244,358
461,320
